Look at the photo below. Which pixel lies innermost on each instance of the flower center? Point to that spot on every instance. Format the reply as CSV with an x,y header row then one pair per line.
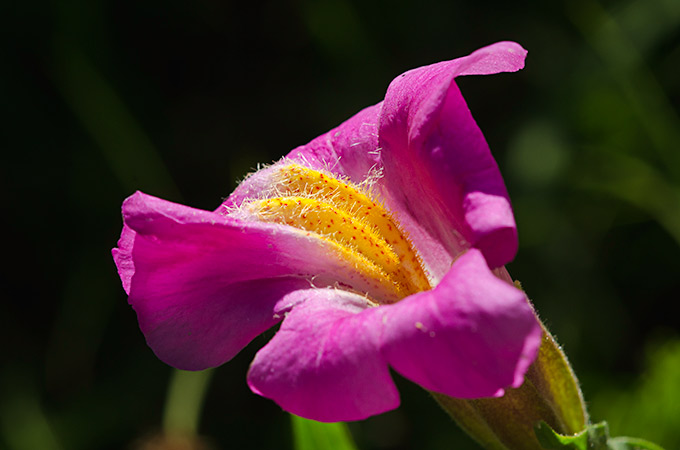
x,y
347,218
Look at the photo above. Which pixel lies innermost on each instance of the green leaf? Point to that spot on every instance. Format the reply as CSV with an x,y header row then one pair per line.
x,y
312,435
628,443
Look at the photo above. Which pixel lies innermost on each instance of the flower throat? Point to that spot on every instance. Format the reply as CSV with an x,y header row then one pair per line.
x,y
345,216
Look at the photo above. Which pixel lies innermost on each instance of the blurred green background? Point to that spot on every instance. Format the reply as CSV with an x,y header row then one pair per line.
x,y
181,99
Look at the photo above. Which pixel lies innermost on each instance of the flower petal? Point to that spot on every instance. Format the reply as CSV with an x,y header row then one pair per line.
x,y
325,362
211,324
452,186
122,256
204,285
471,336
350,150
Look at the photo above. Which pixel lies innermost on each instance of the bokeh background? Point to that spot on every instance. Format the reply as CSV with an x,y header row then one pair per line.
x,y
181,99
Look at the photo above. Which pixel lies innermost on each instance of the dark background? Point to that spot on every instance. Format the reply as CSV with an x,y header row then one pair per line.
x,y
181,99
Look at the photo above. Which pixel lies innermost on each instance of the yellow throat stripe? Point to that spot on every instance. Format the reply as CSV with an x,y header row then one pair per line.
x,y
347,216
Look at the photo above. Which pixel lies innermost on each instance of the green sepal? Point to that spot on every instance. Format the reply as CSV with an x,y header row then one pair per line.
x,y
593,437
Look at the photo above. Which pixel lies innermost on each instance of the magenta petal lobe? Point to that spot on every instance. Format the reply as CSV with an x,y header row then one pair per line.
x,y
325,362
426,126
204,285
471,336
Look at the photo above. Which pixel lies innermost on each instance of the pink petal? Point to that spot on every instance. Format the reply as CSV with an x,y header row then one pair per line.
x,y
210,324
471,336
348,150
325,362
452,185
122,256
204,285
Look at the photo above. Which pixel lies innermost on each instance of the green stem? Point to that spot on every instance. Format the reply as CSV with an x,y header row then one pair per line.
x,y
312,435
184,401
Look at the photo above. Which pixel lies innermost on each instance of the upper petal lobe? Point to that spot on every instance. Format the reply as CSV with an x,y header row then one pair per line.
x,y
452,185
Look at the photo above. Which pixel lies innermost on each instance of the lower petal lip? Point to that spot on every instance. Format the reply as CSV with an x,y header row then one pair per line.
x,y
316,366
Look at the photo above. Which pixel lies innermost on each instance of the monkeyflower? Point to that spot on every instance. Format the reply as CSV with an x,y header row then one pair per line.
x,y
377,245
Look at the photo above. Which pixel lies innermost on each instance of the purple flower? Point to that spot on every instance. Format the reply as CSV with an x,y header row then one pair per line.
x,y
372,245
